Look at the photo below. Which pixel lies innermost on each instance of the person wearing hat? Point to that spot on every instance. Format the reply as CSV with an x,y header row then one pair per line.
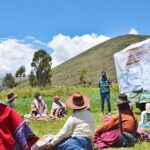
x,y
78,131
145,117
58,108
38,107
122,125
10,99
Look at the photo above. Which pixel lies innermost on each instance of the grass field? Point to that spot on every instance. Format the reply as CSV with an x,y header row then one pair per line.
x,y
25,97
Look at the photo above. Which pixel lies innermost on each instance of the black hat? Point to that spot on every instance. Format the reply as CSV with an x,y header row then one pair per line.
x,y
10,97
122,99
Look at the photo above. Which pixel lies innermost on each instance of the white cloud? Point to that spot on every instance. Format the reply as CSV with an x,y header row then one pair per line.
x,y
64,47
133,31
13,54
35,41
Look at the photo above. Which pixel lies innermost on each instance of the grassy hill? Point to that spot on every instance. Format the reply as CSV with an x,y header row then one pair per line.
x,y
94,61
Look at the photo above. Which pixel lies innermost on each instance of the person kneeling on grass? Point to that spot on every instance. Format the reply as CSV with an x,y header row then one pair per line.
x,y
78,130
121,130
58,109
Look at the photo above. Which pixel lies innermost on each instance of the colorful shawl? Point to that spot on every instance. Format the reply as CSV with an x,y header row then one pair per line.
x,y
15,134
39,107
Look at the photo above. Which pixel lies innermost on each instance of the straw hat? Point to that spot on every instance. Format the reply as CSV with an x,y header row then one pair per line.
x,y
122,99
147,107
77,101
10,97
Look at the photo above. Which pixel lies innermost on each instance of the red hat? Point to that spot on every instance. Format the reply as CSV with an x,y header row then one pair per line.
x,y
56,98
77,101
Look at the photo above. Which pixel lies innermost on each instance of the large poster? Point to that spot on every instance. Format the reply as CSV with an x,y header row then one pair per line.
x,y
133,67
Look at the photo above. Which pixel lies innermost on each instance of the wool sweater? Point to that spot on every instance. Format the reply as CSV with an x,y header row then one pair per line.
x,y
127,123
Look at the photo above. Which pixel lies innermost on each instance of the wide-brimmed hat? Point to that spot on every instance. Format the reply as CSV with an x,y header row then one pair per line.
x,y
77,101
147,107
122,99
10,97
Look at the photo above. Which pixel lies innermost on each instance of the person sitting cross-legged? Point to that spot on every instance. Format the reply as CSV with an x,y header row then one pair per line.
x,y
145,117
58,109
78,131
121,130
38,107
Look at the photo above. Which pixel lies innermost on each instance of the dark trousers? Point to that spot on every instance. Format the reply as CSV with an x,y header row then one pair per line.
x,y
105,96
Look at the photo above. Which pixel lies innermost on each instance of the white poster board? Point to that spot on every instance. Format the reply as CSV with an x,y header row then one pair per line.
x,y
133,67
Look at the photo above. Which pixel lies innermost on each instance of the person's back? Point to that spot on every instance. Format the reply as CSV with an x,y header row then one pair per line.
x,y
12,127
83,119
78,130
128,123
120,130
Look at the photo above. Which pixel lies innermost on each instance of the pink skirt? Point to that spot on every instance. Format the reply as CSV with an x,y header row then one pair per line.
x,y
107,139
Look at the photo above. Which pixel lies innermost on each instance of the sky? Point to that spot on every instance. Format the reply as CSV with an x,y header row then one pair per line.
x,y
64,28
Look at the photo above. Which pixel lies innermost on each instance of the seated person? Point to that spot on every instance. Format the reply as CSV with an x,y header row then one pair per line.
x,y
15,134
10,99
145,117
78,130
38,107
119,129
58,108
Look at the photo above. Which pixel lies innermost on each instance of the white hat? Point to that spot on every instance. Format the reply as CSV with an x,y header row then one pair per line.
x,y
147,107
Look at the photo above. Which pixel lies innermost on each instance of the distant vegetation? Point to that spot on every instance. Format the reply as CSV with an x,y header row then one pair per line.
x,y
94,61
9,81
41,64
39,76
83,69
20,73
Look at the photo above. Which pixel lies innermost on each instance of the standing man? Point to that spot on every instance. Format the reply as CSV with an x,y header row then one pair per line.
x,y
104,85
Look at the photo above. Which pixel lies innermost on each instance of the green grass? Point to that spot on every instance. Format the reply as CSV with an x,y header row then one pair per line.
x,y
25,97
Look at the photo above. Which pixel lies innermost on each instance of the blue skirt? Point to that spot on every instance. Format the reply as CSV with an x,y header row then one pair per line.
x,y
74,143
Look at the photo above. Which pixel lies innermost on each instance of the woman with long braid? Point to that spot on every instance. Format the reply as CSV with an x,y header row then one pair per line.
x,y
120,130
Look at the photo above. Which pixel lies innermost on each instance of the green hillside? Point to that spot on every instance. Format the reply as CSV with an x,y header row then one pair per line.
x,y
94,60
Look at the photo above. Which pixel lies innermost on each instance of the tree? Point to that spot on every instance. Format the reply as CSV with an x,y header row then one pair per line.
x,y
9,81
32,79
82,75
20,73
41,64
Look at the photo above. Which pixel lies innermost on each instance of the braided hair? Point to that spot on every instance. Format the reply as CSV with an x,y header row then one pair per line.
x,y
121,108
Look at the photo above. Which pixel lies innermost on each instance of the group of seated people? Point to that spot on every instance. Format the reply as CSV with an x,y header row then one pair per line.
x,y
39,108
79,130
